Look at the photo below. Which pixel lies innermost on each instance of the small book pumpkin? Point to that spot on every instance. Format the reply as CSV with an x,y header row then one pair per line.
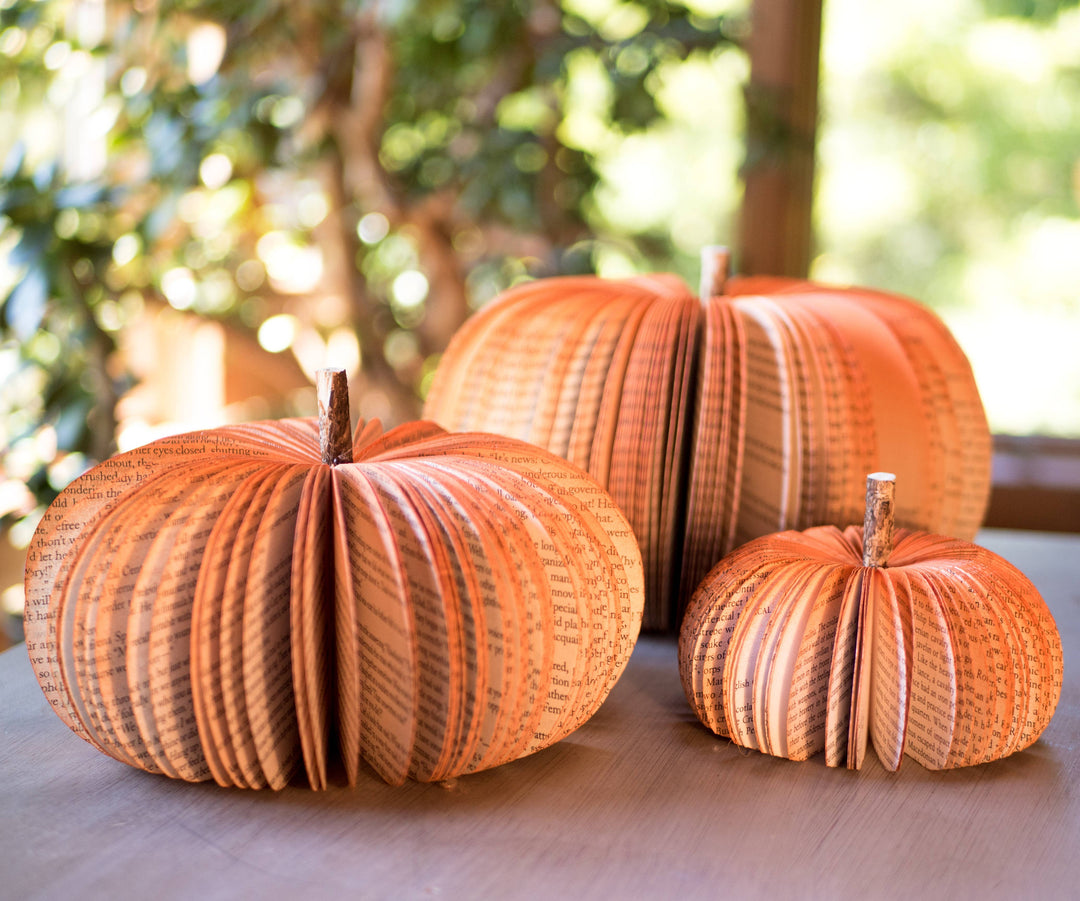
x,y
219,604
751,410
823,639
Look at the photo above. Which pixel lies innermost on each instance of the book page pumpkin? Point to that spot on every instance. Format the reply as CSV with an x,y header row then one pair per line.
x,y
752,410
219,604
822,639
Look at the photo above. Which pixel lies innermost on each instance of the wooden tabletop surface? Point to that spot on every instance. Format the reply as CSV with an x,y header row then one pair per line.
x,y
641,802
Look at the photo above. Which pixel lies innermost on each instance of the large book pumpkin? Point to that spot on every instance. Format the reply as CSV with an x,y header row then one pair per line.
x,y
757,408
235,603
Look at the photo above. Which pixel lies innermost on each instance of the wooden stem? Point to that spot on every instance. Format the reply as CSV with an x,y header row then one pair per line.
x,y
335,427
715,270
878,519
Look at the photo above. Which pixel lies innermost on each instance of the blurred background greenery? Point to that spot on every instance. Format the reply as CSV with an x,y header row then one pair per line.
x,y
203,202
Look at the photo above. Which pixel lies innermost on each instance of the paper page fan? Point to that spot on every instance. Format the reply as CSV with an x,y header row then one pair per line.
x,y
751,410
238,602
830,640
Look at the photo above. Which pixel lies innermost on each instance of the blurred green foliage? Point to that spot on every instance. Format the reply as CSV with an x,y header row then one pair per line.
x,y
232,161
949,170
409,159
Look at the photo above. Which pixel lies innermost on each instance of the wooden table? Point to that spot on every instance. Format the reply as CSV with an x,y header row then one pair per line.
x,y
640,802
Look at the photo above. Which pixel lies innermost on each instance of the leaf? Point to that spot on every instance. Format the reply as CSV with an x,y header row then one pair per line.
x,y
80,195
44,176
71,426
25,305
31,247
634,107
164,138
14,161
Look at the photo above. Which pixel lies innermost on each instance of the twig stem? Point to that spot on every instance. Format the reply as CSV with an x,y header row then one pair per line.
x,y
335,430
878,519
715,271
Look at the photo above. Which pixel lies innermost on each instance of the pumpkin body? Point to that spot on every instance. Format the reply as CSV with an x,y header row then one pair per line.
x,y
222,604
946,654
713,422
